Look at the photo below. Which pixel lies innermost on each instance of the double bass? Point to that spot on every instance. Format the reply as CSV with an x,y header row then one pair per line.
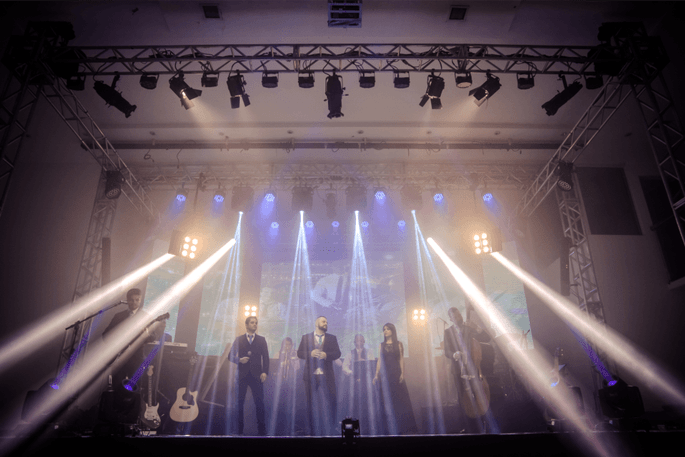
x,y
474,394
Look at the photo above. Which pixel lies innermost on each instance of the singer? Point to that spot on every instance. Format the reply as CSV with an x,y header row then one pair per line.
x,y
251,354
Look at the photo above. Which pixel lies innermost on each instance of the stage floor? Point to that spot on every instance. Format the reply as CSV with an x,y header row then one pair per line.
x,y
520,444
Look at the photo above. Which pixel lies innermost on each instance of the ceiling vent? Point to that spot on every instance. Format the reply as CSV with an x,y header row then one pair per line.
x,y
344,13
458,13
211,11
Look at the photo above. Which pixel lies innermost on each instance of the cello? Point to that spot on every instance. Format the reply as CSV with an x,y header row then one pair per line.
x,y
474,394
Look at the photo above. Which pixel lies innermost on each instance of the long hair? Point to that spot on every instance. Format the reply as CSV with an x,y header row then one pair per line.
x,y
395,341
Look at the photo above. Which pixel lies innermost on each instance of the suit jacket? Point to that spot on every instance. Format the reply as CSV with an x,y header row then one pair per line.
x,y
332,350
452,344
259,355
116,320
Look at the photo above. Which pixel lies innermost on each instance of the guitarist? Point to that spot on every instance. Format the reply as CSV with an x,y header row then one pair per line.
x,y
458,339
251,354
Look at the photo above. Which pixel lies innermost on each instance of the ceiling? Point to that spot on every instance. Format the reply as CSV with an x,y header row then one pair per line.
x,y
289,113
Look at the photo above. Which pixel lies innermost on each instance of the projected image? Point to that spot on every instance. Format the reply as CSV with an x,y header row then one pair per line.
x,y
289,306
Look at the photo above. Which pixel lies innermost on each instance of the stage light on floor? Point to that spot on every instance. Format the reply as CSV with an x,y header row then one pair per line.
x,y
565,172
149,81
113,97
486,90
182,90
305,80
463,79
270,79
236,87
401,79
209,79
350,429
551,107
113,185
334,95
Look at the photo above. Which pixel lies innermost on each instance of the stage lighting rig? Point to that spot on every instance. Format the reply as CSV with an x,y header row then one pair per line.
x,y
113,97
463,79
525,81
419,316
401,79
367,79
305,80
565,181
334,94
487,241
187,246
113,185
250,311
486,90
236,86
149,81
270,79
210,79
183,91
434,88
560,99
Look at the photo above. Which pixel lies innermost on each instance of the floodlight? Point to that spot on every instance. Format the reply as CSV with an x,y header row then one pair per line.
x,y
419,316
113,97
487,197
305,80
182,195
270,79
236,87
438,197
565,181
270,195
486,90
401,79
113,185
379,193
219,196
434,88
334,94
182,90
149,81
487,241
463,79
187,246
560,99
210,79
525,80
367,79
309,224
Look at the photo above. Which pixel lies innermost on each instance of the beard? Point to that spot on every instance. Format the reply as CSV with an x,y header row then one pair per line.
x,y
323,328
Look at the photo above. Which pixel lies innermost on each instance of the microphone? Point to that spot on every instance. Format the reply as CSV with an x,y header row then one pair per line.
x,y
443,320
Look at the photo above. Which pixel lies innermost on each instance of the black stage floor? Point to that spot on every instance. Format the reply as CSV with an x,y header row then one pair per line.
x,y
520,444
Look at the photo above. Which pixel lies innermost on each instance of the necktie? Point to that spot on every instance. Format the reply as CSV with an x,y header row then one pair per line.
x,y
249,338
319,337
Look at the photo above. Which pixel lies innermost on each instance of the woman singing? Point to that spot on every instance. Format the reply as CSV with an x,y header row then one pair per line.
x,y
396,409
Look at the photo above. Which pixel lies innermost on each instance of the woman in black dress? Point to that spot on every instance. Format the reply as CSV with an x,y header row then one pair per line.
x,y
396,411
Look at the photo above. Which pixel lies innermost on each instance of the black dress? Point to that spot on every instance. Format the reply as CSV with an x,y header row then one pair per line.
x,y
396,411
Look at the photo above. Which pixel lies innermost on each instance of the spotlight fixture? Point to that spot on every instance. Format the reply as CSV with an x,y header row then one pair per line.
x,y
270,195
379,193
487,197
401,79
419,316
438,196
219,196
356,198
349,429
187,246
149,81
305,80
463,79
565,181
525,80
183,91
411,197
334,92
330,205
401,224
182,195
303,198
486,90
242,198
113,185
560,99
236,86
250,311
270,79
434,89
594,82
76,82
335,224
274,225
210,79
309,224
113,97
367,79
487,241
619,400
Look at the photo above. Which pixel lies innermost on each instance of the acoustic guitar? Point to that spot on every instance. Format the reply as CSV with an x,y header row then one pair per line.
x,y
185,407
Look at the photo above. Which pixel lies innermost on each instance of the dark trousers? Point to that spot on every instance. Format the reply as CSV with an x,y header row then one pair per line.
x,y
321,407
255,385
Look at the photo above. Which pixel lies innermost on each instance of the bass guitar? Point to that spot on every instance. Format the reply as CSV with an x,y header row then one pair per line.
x,y
150,415
185,407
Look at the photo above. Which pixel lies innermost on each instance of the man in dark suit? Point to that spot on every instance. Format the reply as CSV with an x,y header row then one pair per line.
x,y
251,354
319,350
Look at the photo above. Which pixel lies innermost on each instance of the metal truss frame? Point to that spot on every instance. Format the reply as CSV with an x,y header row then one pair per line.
x,y
584,285
337,176
292,58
